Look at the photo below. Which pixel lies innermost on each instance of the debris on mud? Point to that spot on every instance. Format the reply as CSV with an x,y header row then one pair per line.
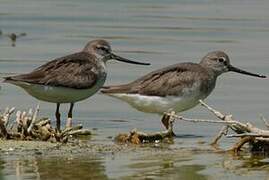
x,y
27,126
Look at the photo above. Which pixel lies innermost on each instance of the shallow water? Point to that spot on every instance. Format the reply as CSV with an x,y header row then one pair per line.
x,y
159,32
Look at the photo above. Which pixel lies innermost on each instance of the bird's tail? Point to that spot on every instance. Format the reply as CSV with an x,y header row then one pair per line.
x,y
115,89
4,79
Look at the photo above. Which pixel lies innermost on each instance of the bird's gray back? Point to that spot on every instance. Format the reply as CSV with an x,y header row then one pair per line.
x,y
169,81
79,70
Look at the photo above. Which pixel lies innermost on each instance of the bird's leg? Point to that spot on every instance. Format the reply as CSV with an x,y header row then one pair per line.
x,y
168,121
58,118
166,118
69,119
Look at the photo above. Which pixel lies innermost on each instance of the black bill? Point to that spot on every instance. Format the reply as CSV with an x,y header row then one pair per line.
x,y
118,58
234,69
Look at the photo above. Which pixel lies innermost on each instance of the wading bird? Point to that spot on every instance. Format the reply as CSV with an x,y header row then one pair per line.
x,y
177,87
71,78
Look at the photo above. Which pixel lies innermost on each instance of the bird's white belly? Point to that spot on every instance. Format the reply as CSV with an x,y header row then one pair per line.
x,y
155,104
189,98
59,94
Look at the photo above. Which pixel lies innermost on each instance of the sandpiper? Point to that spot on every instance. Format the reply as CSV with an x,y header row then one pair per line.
x,y
177,87
70,78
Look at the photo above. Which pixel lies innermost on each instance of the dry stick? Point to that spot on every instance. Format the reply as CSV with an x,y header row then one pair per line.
x,y
7,114
237,126
3,130
26,121
221,116
43,122
199,120
240,143
18,117
137,137
214,111
162,134
30,113
4,116
33,119
18,121
223,131
23,119
152,135
229,122
247,131
265,121
80,132
69,129
248,134
158,135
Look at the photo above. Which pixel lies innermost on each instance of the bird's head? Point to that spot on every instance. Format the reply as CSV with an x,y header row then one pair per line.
x,y
101,49
219,62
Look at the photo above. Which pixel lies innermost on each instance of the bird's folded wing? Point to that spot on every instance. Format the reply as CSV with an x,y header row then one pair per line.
x,y
73,71
169,81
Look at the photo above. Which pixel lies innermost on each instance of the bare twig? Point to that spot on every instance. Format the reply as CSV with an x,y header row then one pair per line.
x,y
80,132
235,125
7,114
265,121
246,131
136,137
33,119
66,131
248,134
214,111
236,148
223,131
177,117
3,130
43,122
30,127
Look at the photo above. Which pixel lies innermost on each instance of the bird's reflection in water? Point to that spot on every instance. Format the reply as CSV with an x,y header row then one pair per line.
x,y
54,168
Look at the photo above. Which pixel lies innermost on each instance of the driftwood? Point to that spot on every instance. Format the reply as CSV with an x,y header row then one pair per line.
x,y
27,126
257,138
136,137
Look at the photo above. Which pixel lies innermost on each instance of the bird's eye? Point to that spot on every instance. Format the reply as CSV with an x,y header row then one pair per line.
x,y
221,59
103,48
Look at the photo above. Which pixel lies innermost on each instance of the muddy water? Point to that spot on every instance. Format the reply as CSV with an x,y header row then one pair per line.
x,y
162,33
